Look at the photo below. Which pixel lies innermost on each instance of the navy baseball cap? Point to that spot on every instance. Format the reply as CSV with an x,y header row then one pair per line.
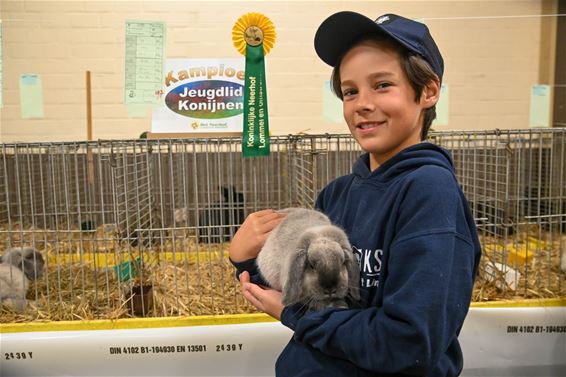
x,y
337,33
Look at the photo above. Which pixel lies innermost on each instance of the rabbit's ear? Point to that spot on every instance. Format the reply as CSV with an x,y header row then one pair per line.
x,y
225,193
353,275
29,269
293,289
14,257
306,239
33,265
239,197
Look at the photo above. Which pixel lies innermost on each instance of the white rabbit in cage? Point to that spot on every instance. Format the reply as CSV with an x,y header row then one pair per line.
x,y
310,261
182,216
17,267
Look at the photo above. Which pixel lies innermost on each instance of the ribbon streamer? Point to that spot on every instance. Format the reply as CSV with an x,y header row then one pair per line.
x,y
253,36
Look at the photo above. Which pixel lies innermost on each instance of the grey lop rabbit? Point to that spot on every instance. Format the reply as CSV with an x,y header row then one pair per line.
x,y
17,267
310,261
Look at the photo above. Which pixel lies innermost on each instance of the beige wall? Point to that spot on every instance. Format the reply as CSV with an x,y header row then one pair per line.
x,y
491,63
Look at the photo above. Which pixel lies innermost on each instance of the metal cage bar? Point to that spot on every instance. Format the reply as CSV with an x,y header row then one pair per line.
x,y
115,219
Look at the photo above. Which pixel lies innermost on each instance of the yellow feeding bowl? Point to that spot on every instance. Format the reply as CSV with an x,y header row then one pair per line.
x,y
519,255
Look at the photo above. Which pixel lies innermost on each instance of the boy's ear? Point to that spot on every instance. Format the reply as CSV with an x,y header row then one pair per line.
x,y
430,94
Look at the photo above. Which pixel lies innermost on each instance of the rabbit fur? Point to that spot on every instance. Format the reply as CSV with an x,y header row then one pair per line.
x,y
17,267
310,261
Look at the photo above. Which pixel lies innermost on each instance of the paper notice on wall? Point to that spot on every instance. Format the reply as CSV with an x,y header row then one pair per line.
x,y
1,69
442,107
540,106
331,105
144,59
31,96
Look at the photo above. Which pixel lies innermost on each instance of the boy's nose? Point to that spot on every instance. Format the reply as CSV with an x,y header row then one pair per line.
x,y
364,102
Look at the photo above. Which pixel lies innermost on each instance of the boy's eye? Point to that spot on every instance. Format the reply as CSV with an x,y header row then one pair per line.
x,y
382,85
348,92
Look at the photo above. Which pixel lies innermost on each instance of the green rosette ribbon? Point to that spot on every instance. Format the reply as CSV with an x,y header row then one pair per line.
x,y
256,121
253,36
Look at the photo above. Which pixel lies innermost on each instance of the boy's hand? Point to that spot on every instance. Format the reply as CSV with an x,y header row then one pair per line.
x,y
250,238
266,300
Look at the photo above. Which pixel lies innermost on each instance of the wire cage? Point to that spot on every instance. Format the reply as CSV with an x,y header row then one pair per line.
x,y
142,227
515,183
136,227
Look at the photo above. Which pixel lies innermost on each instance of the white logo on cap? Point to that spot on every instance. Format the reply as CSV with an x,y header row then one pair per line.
x,y
382,19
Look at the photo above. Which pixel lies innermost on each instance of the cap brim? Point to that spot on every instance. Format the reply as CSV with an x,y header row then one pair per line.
x,y
337,32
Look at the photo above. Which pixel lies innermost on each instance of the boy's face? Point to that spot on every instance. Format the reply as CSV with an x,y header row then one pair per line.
x,y
379,102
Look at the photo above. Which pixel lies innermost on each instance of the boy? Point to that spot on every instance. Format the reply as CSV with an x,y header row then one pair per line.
x,y
403,211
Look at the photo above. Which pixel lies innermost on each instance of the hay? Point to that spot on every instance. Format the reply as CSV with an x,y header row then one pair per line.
x,y
537,277
78,292
79,281
67,293
189,278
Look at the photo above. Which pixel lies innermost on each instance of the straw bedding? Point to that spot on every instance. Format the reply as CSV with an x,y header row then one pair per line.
x,y
187,279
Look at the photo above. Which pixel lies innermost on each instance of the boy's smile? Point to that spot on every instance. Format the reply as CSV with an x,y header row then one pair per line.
x,y
379,102
369,126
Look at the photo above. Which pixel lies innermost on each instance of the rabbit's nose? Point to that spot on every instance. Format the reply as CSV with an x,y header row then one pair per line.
x,y
330,291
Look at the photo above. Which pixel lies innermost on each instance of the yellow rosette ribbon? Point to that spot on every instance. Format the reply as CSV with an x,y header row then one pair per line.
x,y
254,36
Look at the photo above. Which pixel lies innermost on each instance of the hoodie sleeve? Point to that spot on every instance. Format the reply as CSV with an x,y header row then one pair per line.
x,y
250,266
426,291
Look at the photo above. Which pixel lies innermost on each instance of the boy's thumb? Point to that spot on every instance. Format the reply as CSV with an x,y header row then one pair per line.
x,y
245,277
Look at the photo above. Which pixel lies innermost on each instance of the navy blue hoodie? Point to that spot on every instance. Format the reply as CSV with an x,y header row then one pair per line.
x,y
415,239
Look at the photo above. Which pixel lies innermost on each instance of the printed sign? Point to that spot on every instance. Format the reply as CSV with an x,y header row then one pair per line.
x,y
201,95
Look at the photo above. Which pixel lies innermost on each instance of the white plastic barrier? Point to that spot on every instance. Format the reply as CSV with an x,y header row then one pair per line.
x,y
495,341
515,342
